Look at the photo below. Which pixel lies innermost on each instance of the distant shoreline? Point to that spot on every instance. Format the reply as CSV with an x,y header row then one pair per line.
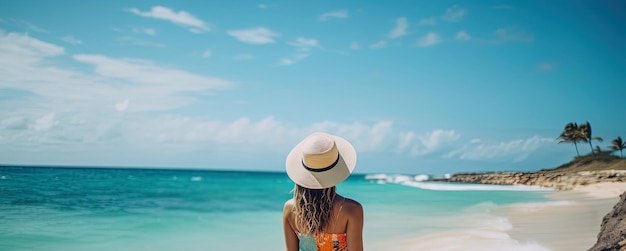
x,y
566,177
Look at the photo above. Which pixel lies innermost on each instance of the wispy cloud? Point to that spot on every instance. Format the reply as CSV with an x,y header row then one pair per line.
x,y
400,28
207,53
427,21
429,39
182,18
72,40
463,35
454,14
293,59
428,143
517,150
259,35
301,42
151,85
333,14
379,45
29,26
355,45
304,46
511,34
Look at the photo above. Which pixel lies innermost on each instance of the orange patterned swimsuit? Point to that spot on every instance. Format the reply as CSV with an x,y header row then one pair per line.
x,y
326,242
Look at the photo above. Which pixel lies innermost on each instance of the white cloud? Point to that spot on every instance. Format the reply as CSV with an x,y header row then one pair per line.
x,y
429,39
123,105
400,28
262,6
427,21
379,45
182,18
454,14
333,14
258,35
72,40
207,53
140,72
305,43
462,35
431,142
515,150
36,67
298,56
25,48
44,123
366,138
303,51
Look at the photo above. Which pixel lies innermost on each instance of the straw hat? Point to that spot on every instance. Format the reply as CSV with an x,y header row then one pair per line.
x,y
321,161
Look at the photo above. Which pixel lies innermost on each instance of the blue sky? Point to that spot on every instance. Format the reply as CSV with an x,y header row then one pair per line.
x,y
417,86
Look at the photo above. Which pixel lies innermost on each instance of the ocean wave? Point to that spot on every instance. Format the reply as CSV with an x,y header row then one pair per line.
x,y
421,181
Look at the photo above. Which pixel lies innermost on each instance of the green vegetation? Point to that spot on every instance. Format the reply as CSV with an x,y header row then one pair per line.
x,y
618,144
597,159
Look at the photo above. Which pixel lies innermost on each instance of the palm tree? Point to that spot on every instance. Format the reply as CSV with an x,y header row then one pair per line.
x,y
585,135
571,134
618,144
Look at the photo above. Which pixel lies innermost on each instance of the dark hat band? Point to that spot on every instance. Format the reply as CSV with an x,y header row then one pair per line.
x,y
319,170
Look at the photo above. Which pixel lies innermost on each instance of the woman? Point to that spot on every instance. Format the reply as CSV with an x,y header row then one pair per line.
x,y
317,218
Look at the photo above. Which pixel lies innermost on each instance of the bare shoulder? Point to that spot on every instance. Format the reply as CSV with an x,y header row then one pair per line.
x,y
353,206
288,207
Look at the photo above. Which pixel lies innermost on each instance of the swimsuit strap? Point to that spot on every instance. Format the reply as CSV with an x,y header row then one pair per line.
x,y
338,212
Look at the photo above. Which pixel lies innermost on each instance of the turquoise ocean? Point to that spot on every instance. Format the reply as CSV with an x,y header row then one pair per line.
x,y
62,208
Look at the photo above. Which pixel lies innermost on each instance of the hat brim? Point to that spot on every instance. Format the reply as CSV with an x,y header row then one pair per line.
x,y
319,180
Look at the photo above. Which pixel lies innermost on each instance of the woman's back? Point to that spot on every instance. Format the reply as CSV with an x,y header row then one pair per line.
x,y
346,214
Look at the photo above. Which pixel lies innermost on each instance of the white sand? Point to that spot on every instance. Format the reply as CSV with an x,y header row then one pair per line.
x,y
603,190
569,221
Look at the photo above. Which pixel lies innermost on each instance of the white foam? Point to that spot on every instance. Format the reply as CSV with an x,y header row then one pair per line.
x,y
3,177
440,186
196,178
421,181
395,178
421,177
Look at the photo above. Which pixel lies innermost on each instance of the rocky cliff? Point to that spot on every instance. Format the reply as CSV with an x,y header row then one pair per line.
x,y
612,234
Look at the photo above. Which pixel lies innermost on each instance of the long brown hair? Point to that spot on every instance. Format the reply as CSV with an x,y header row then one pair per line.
x,y
313,209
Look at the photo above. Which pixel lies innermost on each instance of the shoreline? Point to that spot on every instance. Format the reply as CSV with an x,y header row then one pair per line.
x,y
571,221
568,220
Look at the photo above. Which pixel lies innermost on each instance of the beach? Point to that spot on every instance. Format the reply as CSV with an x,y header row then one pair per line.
x,y
570,220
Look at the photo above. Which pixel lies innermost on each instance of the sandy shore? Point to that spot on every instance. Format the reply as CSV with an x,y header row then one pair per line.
x,y
570,220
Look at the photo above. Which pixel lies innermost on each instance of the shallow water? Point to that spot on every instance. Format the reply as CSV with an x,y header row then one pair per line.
x,y
46,208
